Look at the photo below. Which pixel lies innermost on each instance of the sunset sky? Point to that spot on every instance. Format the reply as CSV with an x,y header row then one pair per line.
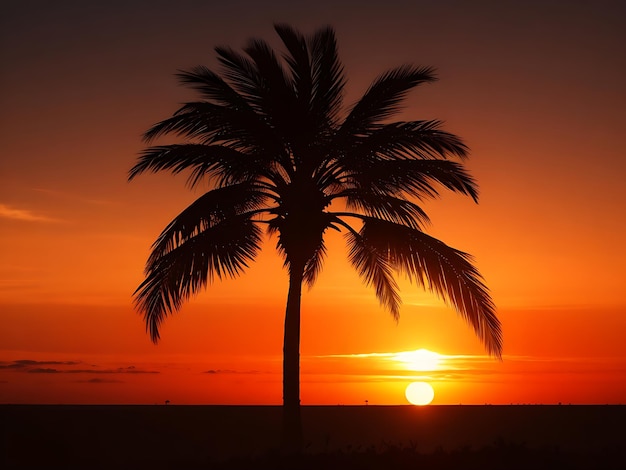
x,y
535,88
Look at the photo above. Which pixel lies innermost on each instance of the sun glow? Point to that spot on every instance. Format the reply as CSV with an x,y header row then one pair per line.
x,y
419,393
420,360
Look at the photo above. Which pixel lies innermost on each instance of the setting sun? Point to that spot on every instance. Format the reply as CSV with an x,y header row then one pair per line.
x,y
419,393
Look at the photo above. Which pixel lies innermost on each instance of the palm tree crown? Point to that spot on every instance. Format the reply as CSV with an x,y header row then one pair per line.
x,y
278,152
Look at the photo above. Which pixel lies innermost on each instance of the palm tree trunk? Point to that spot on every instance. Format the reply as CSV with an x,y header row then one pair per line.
x,y
292,424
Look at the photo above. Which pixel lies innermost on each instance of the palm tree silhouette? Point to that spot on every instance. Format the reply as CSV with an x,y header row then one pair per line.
x,y
271,140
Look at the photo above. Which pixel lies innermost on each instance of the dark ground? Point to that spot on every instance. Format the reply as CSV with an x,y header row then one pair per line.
x,y
373,437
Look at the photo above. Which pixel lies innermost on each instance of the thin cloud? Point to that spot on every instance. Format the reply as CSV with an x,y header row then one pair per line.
x,y
460,367
24,215
27,363
12,365
44,370
229,371
30,362
133,370
40,367
121,370
99,381
452,358
360,355
396,353
378,367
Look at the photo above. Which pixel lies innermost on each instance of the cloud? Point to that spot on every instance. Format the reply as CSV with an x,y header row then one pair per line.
x,y
220,371
24,215
120,370
30,362
12,365
27,363
35,367
99,381
42,370
393,355
134,370
229,371
388,367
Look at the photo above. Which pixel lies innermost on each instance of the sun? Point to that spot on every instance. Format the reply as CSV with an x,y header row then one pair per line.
x,y
419,393
420,360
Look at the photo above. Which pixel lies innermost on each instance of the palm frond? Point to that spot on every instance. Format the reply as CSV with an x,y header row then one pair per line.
x,y
414,140
277,94
328,78
298,61
386,207
451,175
417,178
222,250
204,160
447,272
426,139
217,164
376,270
209,210
242,73
209,123
383,98
212,87
192,120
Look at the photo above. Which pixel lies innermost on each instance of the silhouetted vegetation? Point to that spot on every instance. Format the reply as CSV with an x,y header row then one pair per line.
x,y
388,456
212,437
278,154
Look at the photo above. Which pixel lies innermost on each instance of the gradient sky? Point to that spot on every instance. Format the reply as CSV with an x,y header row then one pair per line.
x,y
535,88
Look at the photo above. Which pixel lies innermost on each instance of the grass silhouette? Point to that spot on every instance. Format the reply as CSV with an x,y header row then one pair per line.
x,y
373,437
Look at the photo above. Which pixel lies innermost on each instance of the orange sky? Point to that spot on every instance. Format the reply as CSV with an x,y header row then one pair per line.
x,y
536,90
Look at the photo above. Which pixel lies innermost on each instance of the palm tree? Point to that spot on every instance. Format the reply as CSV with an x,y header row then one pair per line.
x,y
270,140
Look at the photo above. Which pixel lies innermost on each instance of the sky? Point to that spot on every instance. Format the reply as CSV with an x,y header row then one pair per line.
x,y
536,90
